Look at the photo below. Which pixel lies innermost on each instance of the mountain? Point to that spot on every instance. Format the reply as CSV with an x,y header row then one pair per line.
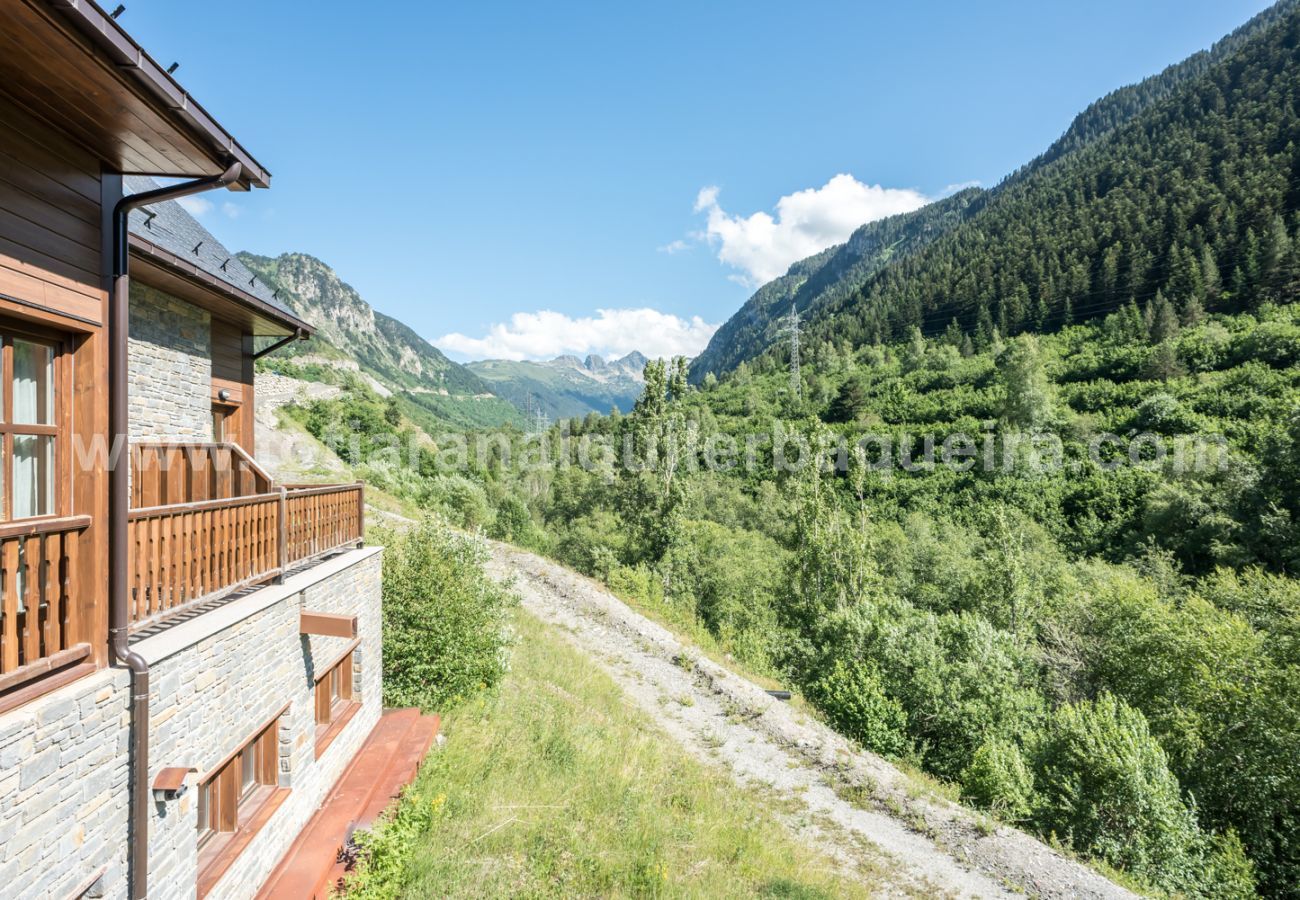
x,y
353,335
830,276
958,256
566,387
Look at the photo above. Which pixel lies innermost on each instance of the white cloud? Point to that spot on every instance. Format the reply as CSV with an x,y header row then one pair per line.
x,y
195,206
611,332
958,187
762,246
232,210
676,246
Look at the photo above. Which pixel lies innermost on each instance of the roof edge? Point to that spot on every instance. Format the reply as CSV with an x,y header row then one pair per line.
x,y
107,35
205,279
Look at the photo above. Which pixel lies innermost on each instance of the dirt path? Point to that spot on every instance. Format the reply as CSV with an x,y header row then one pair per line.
x,y
853,805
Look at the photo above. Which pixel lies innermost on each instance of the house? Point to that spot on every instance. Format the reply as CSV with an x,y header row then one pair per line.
x,y
189,651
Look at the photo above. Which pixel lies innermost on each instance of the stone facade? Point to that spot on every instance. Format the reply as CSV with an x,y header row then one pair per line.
x,y
215,679
169,366
63,790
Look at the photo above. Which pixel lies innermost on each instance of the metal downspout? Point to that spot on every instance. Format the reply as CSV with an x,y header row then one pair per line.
x,y
119,503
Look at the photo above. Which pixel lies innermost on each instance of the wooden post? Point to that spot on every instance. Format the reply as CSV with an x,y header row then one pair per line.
x,y
361,514
282,535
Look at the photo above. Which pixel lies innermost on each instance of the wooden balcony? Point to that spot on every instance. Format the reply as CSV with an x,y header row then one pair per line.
x,y
184,554
41,626
168,473
207,520
210,522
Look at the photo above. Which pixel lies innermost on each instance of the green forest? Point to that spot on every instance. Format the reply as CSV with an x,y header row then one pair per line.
x,y
1104,655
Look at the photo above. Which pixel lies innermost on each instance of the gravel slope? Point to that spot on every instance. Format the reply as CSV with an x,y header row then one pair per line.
x,y
853,805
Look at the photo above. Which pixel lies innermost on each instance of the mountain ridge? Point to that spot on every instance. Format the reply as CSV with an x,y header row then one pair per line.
x,y
383,348
566,386
753,329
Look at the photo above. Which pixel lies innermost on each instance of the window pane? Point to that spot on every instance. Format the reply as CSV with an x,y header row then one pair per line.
x,y
33,474
248,769
204,790
33,383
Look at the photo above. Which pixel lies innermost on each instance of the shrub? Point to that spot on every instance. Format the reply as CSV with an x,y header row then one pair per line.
x,y
512,522
1104,786
1164,414
465,501
445,621
854,701
998,779
961,680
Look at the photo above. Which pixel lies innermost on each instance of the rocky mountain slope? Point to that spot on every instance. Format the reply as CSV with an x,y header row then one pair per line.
x,y
352,335
566,387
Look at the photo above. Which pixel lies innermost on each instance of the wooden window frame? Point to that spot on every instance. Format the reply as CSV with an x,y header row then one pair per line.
x,y
233,807
335,698
60,347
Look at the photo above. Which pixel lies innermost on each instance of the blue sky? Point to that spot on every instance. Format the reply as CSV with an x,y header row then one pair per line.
x,y
471,166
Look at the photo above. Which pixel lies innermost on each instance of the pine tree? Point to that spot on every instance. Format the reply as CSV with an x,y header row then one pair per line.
x,y
677,383
1028,401
1164,364
1164,320
1210,274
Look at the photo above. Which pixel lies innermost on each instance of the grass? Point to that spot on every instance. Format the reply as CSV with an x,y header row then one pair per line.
x,y
553,785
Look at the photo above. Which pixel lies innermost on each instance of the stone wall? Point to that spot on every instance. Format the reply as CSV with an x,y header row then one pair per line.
x,y
211,697
63,790
169,366
215,679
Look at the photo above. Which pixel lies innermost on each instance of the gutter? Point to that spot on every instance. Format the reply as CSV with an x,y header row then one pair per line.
x,y
299,335
119,506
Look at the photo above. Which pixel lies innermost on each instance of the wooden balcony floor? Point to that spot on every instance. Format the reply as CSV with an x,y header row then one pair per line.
x,y
385,764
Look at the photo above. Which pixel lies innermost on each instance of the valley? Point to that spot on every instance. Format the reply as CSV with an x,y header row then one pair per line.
x,y
1013,508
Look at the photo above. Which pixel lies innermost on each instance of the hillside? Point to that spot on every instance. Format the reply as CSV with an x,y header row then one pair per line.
x,y
352,335
829,277
566,387
1121,206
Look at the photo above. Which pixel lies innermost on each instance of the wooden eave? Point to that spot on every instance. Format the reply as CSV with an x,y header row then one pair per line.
x,y
70,63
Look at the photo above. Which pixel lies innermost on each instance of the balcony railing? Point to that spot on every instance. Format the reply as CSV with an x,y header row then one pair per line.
x,y
186,553
216,524
167,473
40,612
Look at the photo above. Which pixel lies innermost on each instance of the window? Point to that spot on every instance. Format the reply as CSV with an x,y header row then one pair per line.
x,y
229,796
28,424
335,701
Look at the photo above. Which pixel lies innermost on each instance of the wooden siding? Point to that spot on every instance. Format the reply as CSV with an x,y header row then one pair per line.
x,y
50,238
232,371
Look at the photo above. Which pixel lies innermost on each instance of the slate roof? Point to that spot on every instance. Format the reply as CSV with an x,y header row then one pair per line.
x,y
170,227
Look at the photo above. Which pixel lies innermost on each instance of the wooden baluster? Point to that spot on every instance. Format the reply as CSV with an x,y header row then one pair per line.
x,y
9,647
51,556
202,578
72,630
227,542
161,592
183,561
174,561
31,599
137,544
218,574
241,544
154,572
